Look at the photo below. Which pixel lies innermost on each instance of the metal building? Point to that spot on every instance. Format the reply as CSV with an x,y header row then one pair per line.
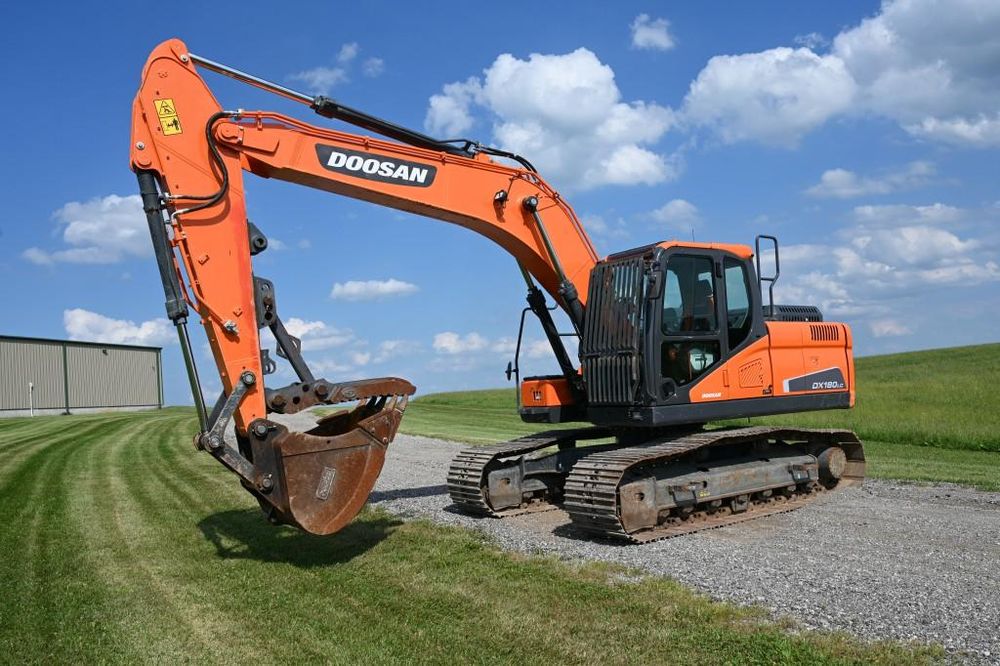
x,y
42,376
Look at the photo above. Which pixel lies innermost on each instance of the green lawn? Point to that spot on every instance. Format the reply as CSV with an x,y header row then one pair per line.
x,y
121,543
924,416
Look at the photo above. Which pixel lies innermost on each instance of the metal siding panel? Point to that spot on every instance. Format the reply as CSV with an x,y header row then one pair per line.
x,y
112,377
37,362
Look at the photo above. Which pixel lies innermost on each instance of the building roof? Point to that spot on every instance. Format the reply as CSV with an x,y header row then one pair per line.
x,y
77,343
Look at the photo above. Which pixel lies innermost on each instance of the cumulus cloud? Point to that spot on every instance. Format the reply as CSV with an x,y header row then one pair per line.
x,y
320,80
453,343
348,52
104,230
929,66
318,335
90,326
390,349
981,131
566,113
888,254
650,33
373,67
677,214
844,184
901,214
882,328
596,225
775,96
369,290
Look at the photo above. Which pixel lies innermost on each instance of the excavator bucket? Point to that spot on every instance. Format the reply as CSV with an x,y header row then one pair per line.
x,y
318,480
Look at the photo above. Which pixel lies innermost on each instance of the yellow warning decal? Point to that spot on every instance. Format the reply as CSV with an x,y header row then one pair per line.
x,y
165,107
167,113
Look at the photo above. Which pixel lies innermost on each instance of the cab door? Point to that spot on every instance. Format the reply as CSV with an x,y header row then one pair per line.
x,y
690,334
712,343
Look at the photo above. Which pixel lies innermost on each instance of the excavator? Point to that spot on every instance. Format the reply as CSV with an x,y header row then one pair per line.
x,y
672,336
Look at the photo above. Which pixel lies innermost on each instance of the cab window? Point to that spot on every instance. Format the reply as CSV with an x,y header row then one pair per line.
x,y
737,302
689,296
690,325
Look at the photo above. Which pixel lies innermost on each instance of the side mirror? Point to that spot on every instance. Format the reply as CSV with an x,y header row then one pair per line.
x,y
510,370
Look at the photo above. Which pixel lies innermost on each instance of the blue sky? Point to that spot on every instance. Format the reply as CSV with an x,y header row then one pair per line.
x,y
865,136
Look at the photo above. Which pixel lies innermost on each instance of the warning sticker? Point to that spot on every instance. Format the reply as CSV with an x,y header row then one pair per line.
x,y
164,107
167,113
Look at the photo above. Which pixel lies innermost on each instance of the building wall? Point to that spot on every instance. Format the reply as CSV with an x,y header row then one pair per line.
x,y
110,377
40,363
99,376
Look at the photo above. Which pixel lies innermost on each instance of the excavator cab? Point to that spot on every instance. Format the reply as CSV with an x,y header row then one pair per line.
x,y
677,333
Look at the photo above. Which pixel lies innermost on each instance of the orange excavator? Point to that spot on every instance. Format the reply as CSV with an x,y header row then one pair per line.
x,y
672,335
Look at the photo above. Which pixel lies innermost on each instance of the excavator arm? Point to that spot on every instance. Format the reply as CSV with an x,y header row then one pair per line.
x,y
190,156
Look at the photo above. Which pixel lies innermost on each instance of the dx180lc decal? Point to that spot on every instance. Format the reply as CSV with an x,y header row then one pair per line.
x,y
375,167
830,379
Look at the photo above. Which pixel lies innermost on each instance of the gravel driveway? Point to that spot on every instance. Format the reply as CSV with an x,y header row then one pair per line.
x,y
887,560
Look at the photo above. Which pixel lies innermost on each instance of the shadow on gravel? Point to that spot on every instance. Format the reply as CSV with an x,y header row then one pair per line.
x,y
567,531
407,493
244,534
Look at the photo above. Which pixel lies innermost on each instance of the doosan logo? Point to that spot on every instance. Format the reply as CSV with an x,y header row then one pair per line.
x,y
375,167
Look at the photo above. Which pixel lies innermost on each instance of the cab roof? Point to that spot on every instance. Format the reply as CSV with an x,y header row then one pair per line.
x,y
741,251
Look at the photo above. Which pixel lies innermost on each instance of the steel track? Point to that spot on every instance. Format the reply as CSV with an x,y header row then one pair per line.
x,y
591,491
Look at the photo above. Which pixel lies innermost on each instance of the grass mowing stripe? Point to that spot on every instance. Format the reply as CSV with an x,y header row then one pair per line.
x,y
60,589
109,549
141,516
45,435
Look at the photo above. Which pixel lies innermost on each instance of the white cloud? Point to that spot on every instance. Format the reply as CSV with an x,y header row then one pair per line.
x,y
981,131
565,113
774,96
104,230
598,226
90,326
650,33
347,52
929,66
536,348
373,67
359,357
449,113
844,184
887,256
367,290
677,214
453,343
504,345
318,335
320,80
389,349
882,328
901,214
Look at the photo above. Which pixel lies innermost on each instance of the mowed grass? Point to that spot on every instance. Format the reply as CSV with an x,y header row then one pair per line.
x,y
924,416
120,543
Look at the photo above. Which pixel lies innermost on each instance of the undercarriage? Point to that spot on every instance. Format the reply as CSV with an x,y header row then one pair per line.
x,y
674,483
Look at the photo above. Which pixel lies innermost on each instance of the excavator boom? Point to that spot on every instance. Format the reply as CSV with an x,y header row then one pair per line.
x,y
190,156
